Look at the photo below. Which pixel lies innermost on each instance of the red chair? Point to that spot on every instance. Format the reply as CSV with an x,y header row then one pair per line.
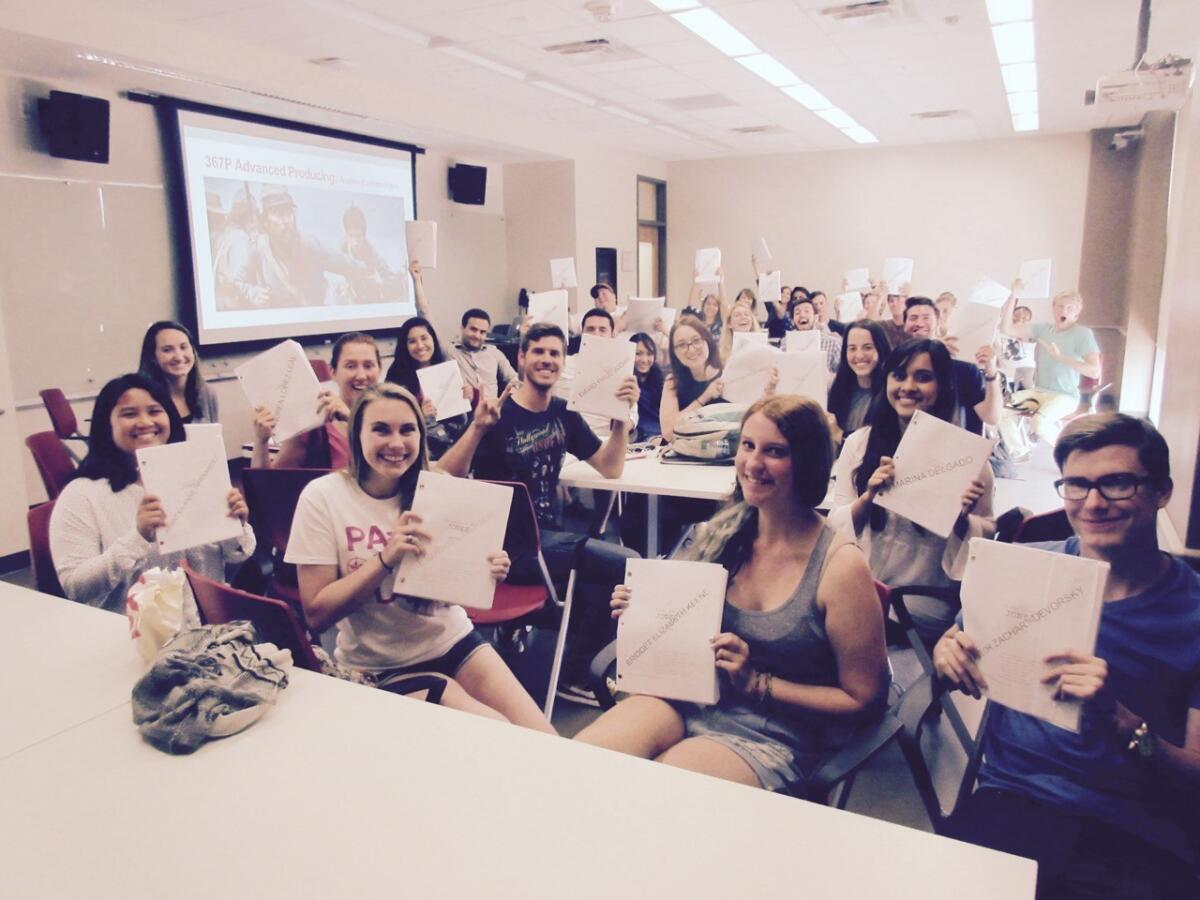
x,y
513,603
275,620
53,461
272,495
62,416
321,369
45,576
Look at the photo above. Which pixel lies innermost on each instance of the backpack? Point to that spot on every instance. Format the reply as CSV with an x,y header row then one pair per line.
x,y
708,435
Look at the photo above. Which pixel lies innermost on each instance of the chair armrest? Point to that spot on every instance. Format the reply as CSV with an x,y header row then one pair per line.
x,y
861,748
598,673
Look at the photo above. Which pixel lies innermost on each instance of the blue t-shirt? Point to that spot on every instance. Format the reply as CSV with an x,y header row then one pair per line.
x,y
1077,342
1151,643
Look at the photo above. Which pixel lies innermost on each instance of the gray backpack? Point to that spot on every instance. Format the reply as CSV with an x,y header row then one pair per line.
x,y
708,435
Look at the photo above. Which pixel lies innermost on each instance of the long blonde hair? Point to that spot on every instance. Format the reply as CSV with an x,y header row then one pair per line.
x,y
725,347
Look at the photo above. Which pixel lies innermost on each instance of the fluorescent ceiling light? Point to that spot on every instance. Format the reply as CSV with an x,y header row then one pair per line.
x,y
808,97
707,24
1001,11
1019,77
371,20
483,61
1025,122
626,114
675,132
1014,42
1019,104
675,5
837,118
564,92
769,69
860,135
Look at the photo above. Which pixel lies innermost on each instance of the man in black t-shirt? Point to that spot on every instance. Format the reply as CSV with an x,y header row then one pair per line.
x,y
524,439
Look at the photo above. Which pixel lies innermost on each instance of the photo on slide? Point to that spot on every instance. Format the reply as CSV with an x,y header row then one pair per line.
x,y
294,246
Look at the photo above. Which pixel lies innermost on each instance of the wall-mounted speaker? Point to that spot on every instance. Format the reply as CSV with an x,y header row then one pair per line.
x,y
75,126
468,184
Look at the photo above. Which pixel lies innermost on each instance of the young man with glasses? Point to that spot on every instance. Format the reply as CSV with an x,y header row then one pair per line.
x,y
1110,811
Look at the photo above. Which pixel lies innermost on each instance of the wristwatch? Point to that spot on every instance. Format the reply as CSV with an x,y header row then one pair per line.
x,y
991,377
1141,742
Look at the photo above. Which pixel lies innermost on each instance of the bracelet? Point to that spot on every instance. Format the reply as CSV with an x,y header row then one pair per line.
x,y
993,378
767,693
379,556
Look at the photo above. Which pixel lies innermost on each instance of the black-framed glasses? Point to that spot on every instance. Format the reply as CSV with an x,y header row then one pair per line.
x,y
1118,486
685,346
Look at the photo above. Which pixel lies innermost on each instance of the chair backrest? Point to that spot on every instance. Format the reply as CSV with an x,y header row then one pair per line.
x,y
522,537
274,620
1050,526
62,417
272,495
321,369
45,576
53,461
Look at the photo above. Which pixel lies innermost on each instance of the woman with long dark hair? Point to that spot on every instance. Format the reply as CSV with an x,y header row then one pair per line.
x,y
169,359
860,376
418,347
801,653
348,581
695,378
650,381
102,531
900,552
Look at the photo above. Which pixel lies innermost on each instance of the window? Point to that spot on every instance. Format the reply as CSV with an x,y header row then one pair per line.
x,y
652,237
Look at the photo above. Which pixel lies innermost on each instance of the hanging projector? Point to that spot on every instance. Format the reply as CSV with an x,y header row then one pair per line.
x,y
1125,97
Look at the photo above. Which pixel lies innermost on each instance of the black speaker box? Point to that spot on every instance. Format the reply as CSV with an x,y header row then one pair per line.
x,y
75,126
468,184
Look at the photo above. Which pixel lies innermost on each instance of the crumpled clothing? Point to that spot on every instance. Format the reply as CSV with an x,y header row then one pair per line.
x,y
206,682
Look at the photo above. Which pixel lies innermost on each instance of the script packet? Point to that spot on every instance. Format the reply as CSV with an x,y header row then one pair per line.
x,y
989,292
191,479
642,312
857,280
935,462
663,637
442,384
849,306
1056,606
466,521
761,254
1035,274
748,373
550,307
282,380
975,326
708,261
601,365
562,273
769,286
421,237
897,272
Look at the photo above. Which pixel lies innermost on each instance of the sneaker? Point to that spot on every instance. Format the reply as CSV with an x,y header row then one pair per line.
x,y
577,693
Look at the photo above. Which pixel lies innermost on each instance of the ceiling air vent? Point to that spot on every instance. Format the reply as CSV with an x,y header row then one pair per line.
x,y
756,129
938,114
867,13
596,50
699,101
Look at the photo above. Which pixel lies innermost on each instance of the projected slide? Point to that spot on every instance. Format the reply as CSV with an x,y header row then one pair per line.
x,y
293,234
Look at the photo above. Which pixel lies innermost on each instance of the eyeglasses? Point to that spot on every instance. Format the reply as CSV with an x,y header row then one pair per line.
x,y
1120,486
685,346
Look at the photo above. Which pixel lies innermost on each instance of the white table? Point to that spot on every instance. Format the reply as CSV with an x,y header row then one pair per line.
x,y
346,791
654,478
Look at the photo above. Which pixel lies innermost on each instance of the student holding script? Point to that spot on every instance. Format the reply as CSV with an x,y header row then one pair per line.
x,y
102,531
356,367
860,377
695,378
418,348
801,648
901,552
526,443
169,359
1110,810
351,530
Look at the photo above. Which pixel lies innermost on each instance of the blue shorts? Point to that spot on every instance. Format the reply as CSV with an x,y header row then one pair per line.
x,y
447,664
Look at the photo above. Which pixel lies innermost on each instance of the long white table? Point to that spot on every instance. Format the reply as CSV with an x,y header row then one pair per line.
x,y
654,478
346,791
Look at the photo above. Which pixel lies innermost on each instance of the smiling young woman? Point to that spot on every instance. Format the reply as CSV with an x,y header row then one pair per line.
x,y
103,526
418,347
695,378
351,530
169,359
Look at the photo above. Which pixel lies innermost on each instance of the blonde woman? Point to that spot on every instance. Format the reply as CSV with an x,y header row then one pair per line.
x,y
739,321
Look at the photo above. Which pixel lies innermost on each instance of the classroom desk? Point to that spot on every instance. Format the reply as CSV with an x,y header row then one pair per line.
x,y
654,478
344,791
58,666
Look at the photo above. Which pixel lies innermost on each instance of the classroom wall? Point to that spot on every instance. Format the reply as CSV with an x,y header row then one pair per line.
x,y
1177,376
539,210
959,210
86,261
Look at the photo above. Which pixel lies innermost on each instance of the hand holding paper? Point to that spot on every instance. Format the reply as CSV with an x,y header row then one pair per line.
x,y
935,464
761,255
849,306
549,307
282,381
708,261
465,521
989,292
769,286
421,238
603,365
562,273
641,313
1035,275
663,636
897,272
857,280
442,385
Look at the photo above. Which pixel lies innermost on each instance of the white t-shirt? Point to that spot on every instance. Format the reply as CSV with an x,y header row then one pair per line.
x,y
338,523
